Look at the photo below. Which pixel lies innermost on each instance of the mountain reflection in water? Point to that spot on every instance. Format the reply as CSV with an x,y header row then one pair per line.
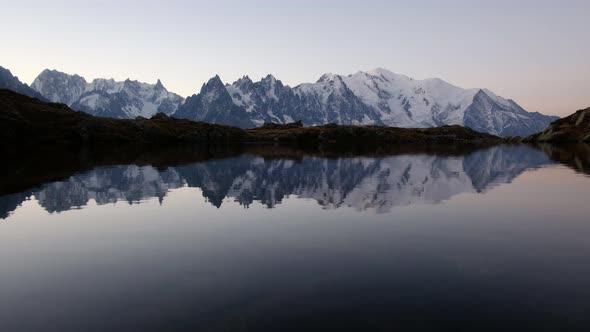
x,y
365,182
330,240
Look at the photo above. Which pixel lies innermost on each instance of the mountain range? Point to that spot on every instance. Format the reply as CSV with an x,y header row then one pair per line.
x,y
376,97
107,97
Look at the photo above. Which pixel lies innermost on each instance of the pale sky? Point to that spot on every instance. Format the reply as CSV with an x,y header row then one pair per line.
x,y
535,52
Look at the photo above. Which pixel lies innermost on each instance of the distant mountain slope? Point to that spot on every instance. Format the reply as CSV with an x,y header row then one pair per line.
x,y
573,128
107,97
377,97
11,82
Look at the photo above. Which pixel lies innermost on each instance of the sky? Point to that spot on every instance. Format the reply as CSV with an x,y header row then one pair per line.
x,y
535,52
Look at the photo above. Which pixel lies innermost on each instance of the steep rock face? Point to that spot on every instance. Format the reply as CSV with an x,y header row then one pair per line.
x,y
489,113
102,97
377,97
331,100
59,87
573,128
214,105
11,82
265,101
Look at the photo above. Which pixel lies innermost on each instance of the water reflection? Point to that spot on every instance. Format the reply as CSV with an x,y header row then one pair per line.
x,y
514,255
377,183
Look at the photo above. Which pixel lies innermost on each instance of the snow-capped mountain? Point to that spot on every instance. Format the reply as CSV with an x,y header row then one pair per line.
x,y
107,97
376,97
215,105
11,82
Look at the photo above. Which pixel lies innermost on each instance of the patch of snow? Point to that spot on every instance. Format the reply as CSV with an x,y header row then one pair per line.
x,y
90,101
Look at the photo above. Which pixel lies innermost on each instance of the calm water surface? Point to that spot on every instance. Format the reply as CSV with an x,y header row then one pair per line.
x,y
493,239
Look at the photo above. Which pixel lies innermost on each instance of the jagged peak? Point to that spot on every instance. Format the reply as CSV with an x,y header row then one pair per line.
x,y
488,93
55,72
329,77
7,72
481,93
269,77
243,80
159,85
132,84
215,79
47,71
214,83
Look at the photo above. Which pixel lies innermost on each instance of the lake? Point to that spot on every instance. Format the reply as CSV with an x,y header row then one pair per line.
x,y
273,238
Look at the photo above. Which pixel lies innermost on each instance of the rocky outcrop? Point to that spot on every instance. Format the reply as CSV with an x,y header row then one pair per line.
x,y
367,135
573,128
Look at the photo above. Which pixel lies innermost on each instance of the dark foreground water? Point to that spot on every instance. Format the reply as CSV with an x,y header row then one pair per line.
x,y
490,239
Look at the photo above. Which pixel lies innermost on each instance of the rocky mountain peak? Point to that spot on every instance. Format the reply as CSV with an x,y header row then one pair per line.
x,y
269,78
159,85
328,78
214,83
244,83
11,82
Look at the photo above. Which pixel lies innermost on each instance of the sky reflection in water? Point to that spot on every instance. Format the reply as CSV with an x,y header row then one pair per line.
x,y
490,239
